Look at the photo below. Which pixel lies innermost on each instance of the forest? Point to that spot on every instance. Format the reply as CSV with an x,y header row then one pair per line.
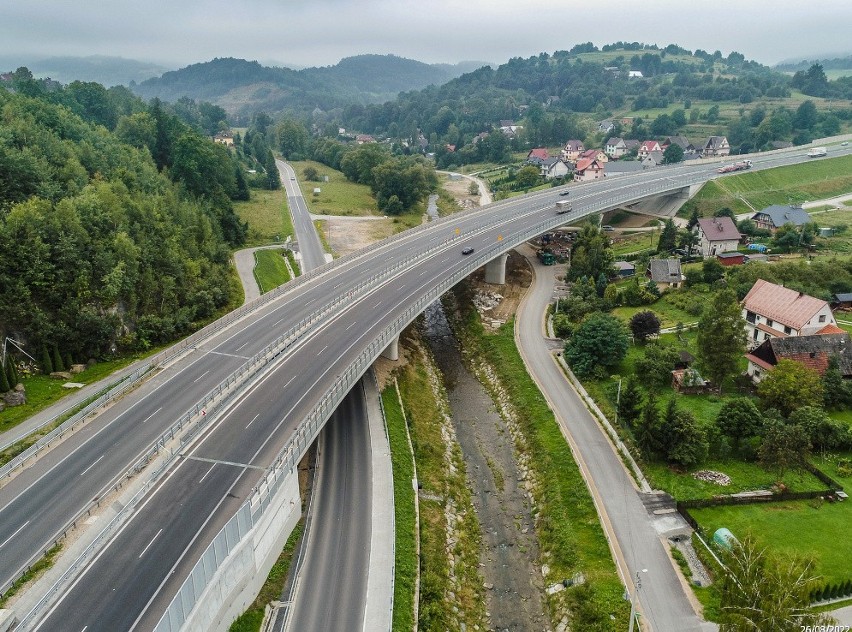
x,y
116,222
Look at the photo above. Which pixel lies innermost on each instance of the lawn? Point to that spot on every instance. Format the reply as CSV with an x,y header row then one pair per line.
x,y
338,196
634,242
813,180
267,216
806,527
270,270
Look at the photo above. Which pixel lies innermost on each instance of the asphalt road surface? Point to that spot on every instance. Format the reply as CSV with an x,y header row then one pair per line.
x,y
35,504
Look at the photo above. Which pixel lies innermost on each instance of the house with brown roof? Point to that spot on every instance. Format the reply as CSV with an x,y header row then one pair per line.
x,y
665,273
362,139
716,235
813,351
715,146
572,150
224,138
588,169
774,311
595,154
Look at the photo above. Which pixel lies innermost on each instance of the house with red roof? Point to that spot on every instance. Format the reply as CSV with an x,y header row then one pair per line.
x,y
774,311
717,235
647,147
814,352
537,155
588,169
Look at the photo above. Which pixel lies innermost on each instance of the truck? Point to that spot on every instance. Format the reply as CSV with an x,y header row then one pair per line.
x,y
546,257
817,152
737,166
563,206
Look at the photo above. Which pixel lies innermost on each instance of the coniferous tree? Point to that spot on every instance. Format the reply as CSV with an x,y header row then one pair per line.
x,y
648,427
57,359
46,363
721,337
630,401
12,372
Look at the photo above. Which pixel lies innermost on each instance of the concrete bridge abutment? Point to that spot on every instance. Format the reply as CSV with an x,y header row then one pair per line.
x,y
495,270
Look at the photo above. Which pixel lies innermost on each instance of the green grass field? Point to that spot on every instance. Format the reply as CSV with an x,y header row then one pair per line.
x,y
405,567
815,180
267,216
339,196
270,270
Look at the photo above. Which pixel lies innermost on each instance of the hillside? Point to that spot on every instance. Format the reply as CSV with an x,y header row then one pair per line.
x,y
244,87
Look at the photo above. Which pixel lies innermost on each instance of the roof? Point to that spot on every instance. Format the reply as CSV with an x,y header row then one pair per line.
x,y
812,351
782,304
780,215
631,143
714,142
623,265
844,297
586,163
614,141
649,145
830,328
731,255
718,228
538,152
680,141
574,145
665,270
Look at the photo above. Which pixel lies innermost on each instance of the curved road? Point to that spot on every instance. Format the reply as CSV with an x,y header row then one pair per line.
x,y
165,530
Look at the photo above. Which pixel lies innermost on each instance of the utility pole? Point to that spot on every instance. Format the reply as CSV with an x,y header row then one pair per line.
x,y
635,597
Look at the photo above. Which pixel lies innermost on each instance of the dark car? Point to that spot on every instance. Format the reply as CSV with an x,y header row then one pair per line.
x,y
467,251
564,193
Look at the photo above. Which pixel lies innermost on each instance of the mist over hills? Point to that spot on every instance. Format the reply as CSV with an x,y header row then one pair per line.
x,y
105,70
242,87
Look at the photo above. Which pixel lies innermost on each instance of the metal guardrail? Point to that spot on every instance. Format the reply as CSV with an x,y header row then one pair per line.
x,y
309,428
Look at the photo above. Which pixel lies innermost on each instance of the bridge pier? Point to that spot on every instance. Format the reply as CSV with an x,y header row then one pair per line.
x,y
495,270
392,350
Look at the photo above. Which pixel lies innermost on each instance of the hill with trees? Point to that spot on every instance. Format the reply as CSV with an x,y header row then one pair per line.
x,y
246,87
116,220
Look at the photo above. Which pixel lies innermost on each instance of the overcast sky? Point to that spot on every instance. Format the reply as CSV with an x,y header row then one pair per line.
x,y
175,33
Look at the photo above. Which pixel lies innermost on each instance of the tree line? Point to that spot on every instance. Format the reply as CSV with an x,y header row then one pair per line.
x,y
116,220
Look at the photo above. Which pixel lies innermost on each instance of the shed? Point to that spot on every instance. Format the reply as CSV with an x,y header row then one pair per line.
x,y
724,538
826,231
689,382
842,300
731,258
624,269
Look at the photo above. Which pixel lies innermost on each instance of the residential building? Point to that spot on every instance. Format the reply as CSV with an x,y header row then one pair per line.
x,y
680,141
615,147
814,351
647,147
665,273
554,168
572,150
774,311
606,126
595,154
715,146
653,159
224,138
774,217
363,139
588,169
535,156
717,235
624,269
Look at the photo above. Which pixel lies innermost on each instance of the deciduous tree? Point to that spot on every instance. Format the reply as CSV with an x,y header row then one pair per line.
x,y
600,341
721,337
790,385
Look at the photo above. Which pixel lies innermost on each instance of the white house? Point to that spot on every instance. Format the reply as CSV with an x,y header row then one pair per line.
x,y
554,168
615,147
774,311
717,235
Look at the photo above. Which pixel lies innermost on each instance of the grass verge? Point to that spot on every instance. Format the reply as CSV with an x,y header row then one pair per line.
x,y
405,566
267,216
270,271
338,196
252,618
569,529
35,571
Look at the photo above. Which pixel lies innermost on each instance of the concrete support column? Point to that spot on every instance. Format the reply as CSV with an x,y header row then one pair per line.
x,y
495,270
392,350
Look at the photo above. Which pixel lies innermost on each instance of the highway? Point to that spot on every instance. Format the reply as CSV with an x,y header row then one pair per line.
x,y
167,531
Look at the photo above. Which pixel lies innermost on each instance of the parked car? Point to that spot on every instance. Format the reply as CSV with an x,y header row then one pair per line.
x,y
467,251
564,193
607,228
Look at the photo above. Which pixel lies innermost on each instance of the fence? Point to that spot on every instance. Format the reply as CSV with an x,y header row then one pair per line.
x,y
245,518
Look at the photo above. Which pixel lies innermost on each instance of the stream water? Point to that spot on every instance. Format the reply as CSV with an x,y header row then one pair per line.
x,y
509,546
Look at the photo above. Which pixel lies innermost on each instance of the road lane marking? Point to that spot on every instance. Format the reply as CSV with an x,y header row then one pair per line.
x,y
152,414
92,465
351,326
221,462
150,543
201,480
201,376
252,421
323,349
227,355
241,346
6,541
377,304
